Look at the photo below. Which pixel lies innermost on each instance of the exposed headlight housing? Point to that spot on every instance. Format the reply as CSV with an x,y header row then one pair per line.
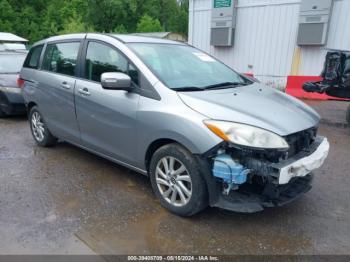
x,y
246,135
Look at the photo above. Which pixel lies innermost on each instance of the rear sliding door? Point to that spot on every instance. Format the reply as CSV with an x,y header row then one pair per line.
x,y
56,83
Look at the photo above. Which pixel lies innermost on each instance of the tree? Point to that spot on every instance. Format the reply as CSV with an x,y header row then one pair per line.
x,y
74,25
120,29
38,19
149,24
168,9
7,16
183,19
105,15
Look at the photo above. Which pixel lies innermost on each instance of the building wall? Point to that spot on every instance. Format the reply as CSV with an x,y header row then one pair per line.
x,y
265,38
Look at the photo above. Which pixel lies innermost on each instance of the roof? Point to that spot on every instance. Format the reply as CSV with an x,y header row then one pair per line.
x,y
61,38
120,37
143,39
9,37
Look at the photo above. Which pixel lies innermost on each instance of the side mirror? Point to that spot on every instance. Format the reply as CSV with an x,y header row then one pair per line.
x,y
116,81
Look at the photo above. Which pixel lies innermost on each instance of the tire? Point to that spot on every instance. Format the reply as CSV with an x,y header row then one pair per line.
x,y
42,137
185,204
2,101
2,114
348,115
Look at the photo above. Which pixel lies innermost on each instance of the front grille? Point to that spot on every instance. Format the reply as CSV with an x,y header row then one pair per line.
x,y
300,141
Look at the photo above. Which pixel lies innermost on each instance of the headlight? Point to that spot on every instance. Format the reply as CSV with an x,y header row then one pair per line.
x,y
246,135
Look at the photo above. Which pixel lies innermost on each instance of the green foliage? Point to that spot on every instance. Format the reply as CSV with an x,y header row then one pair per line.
x,y
120,29
7,15
38,19
73,25
149,24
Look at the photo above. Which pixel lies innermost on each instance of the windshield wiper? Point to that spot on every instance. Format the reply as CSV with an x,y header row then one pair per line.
x,y
188,89
216,86
225,85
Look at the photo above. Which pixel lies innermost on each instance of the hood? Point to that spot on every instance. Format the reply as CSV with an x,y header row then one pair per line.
x,y
255,105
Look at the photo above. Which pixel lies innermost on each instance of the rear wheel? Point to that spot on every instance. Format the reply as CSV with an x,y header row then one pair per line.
x,y
176,180
348,115
2,114
40,132
2,102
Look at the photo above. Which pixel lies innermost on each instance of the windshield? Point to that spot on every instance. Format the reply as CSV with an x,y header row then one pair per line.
x,y
182,67
11,63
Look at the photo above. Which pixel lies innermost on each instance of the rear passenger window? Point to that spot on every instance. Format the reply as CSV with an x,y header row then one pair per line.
x,y
101,58
33,57
61,58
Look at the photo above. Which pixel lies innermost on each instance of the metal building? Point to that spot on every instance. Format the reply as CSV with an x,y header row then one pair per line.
x,y
265,40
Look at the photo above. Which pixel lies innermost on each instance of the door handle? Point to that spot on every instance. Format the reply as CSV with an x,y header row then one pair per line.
x,y
65,85
84,91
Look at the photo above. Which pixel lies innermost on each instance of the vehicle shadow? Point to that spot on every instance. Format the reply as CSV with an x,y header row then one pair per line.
x,y
121,172
14,118
125,217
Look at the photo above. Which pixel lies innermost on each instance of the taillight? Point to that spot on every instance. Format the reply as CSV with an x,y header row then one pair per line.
x,y
20,82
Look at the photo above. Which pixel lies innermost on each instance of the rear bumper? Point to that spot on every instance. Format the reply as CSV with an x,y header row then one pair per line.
x,y
11,100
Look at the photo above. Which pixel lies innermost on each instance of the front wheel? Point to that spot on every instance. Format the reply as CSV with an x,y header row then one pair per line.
x,y
40,132
176,180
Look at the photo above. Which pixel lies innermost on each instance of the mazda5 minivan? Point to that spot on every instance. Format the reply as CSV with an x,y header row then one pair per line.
x,y
204,134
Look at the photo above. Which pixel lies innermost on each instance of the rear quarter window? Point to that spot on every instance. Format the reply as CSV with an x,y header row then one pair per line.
x,y
33,57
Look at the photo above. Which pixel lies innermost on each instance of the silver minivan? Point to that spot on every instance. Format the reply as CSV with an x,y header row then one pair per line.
x,y
204,134
11,99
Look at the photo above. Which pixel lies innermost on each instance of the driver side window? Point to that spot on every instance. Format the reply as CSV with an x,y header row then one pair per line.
x,y
101,58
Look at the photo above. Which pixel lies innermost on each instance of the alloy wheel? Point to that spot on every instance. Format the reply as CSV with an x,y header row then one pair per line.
x,y
38,127
173,181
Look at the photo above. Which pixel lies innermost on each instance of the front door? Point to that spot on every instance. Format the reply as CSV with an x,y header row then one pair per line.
x,y
107,118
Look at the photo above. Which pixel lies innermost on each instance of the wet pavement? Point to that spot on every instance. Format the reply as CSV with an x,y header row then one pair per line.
x,y
333,112
64,200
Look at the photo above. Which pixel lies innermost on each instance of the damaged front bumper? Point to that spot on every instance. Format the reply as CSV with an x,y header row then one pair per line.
x,y
269,183
254,198
304,162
